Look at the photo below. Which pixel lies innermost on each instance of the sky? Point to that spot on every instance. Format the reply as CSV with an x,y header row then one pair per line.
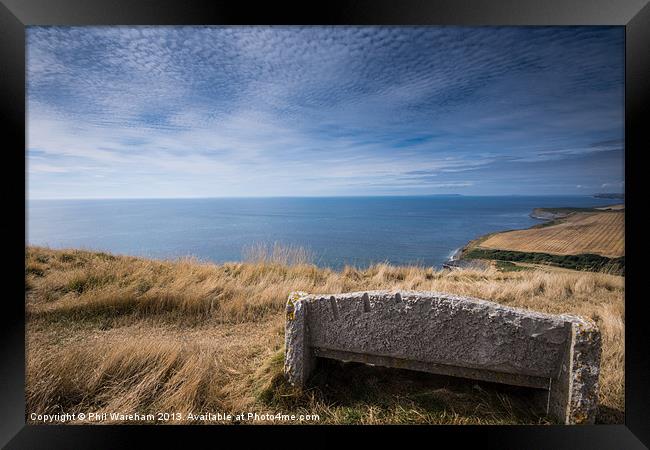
x,y
169,112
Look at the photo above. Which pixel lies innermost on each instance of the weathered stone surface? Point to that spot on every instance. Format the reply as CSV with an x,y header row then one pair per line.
x,y
298,360
451,335
573,395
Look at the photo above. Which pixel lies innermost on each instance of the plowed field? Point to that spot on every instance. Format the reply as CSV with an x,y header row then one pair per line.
x,y
598,233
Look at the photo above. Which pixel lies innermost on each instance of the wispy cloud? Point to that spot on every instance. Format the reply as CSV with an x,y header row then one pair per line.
x,y
617,185
237,111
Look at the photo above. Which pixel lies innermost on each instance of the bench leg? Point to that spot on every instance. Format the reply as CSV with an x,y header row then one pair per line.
x,y
298,357
573,396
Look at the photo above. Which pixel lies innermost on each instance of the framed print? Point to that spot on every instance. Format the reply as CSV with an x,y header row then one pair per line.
x,y
417,218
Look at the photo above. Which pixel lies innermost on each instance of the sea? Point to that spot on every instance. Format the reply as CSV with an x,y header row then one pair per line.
x,y
338,231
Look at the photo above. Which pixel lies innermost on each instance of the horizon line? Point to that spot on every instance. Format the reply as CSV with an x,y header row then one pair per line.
x,y
326,196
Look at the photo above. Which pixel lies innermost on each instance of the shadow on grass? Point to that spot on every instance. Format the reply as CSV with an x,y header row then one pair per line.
x,y
610,415
359,393
104,317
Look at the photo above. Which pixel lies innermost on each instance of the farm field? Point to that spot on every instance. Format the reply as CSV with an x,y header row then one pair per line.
x,y
578,233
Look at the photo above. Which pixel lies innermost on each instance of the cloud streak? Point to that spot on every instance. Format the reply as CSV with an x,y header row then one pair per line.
x,y
258,111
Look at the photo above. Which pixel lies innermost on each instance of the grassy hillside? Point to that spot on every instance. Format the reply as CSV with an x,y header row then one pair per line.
x,y
110,333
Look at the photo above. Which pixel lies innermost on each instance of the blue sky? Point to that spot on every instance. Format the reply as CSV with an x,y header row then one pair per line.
x,y
136,112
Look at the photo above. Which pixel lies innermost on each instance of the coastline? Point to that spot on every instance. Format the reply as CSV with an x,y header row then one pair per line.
x,y
507,258
430,229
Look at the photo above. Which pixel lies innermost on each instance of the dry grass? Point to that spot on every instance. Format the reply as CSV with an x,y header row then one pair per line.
x,y
288,255
598,233
124,334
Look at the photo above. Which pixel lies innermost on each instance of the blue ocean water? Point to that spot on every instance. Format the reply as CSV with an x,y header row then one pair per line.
x,y
358,231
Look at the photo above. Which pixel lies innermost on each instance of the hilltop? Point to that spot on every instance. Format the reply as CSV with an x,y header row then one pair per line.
x,y
113,333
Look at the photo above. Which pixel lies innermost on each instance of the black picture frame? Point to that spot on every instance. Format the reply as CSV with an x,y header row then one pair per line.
x,y
15,15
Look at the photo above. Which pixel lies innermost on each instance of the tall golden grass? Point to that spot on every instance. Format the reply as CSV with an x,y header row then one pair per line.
x,y
283,254
126,334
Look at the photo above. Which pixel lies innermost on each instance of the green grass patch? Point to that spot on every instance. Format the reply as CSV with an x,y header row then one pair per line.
x,y
507,266
585,261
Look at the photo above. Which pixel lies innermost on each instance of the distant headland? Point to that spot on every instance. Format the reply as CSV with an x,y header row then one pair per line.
x,y
610,195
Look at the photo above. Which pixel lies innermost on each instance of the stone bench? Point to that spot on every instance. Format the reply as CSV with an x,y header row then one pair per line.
x,y
450,335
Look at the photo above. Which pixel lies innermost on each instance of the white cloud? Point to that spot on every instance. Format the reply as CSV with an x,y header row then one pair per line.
x,y
316,110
